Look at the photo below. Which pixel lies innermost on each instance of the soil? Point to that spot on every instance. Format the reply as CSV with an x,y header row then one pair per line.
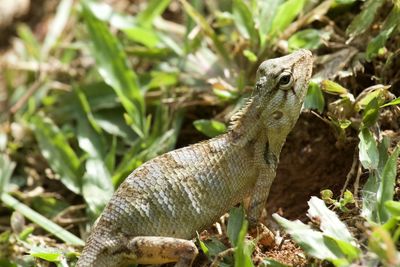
x,y
311,160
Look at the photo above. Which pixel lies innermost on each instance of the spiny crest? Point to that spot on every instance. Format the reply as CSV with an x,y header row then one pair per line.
x,y
236,118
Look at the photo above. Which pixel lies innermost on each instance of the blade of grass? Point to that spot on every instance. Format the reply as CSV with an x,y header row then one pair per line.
x,y
40,220
29,39
286,13
392,103
386,191
244,21
267,14
154,9
89,133
6,169
97,188
57,26
208,31
113,67
389,27
364,19
57,151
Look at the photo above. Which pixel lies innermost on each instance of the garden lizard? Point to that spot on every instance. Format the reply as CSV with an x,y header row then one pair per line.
x,y
159,207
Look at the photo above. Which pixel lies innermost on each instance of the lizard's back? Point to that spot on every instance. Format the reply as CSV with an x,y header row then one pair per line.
x,y
172,195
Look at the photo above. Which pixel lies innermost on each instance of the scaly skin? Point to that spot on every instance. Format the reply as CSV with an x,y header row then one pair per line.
x,y
166,200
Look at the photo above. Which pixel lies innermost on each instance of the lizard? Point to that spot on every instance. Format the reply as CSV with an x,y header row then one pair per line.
x,y
155,212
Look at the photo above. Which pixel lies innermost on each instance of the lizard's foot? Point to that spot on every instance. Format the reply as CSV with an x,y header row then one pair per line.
x,y
159,250
265,236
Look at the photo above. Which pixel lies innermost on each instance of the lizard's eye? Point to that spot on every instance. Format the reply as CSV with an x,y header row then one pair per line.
x,y
285,80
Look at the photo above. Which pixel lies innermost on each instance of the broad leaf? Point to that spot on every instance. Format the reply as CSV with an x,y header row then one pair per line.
x,y
113,66
57,151
211,128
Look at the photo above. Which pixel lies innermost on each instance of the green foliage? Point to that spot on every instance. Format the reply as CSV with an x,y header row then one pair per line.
x,y
308,39
285,14
389,27
348,198
242,248
211,128
363,20
333,243
59,154
314,98
106,48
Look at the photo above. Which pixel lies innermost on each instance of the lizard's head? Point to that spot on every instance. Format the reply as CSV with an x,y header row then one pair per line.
x,y
281,88
280,91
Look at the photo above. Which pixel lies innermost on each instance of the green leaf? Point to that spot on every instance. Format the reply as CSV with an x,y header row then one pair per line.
x,y
334,244
244,21
208,31
111,155
7,263
235,223
347,198
211,128
333,88
26,233
330,223
285,14
56,150
314,98
327,196
243,249
89,133
32,45
112,122
56,27
154,9
97,187
273,263
378,91
214,247
203,246
393,207
48,205
365,18
40,220
268,11
388,181
310,240
6,169
369,199
368,150
308,39
113,66
48,254
143,36
388,28
381,243
351,251
162,79
250,55
392,103
371,113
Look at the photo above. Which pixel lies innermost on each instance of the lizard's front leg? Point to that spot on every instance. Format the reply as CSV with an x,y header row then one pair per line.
x,y
260,194
258,199
160,250
256,206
